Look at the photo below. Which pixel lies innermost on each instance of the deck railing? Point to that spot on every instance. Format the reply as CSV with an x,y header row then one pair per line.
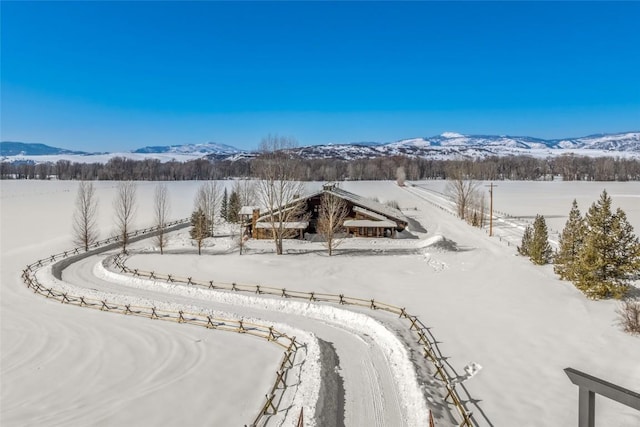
x,y
589,386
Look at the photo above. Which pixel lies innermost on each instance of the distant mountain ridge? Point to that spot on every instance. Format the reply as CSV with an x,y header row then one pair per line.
x,y
448,145
206,148
9,148
455,145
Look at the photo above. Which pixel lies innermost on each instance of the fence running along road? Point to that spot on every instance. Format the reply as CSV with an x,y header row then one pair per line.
x,y
422,333
269,333
506,228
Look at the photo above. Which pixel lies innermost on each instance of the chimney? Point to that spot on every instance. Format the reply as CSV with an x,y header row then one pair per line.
x,y
254,220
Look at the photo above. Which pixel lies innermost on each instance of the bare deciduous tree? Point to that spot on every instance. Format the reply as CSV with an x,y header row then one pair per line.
x,y
279,189
84,220
246,193
161,212
463,192
476,208
401,176
124,206
629,315
333,211
246,190
209,198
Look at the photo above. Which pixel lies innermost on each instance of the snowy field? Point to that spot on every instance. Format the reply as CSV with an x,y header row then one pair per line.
x,y
63,365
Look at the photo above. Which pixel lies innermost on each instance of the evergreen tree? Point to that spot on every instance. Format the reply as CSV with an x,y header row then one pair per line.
x,y
570,244
610,256
234,207
199,227
224,207
539,248
525,245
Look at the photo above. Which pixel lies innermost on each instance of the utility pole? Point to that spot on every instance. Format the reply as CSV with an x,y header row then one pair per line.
x,y
491,186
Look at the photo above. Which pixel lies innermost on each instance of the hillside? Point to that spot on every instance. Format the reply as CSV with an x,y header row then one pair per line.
x,y
448,145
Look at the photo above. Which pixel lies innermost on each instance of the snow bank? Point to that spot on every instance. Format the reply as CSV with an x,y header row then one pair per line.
x,y
410,392
305,394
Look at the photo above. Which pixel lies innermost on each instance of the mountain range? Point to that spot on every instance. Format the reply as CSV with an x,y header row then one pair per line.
x,y
9,148
444,146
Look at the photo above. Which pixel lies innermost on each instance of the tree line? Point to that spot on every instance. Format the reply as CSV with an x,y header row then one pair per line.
x,y
569,167
277,191
598,252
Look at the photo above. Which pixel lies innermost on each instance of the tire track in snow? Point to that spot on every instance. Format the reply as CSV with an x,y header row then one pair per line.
x,y
114,294
381,408
374,393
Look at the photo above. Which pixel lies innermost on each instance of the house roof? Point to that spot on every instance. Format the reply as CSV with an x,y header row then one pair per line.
x,y
367,205
369,213
247,210
369,223
298,225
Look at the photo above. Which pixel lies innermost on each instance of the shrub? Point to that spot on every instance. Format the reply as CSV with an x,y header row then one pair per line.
x,y
629,313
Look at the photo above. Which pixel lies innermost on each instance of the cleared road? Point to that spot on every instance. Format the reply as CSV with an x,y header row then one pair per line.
x,y
371,393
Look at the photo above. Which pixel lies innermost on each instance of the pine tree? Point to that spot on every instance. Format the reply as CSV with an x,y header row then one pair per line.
x,y
199,228
234,207
224,207
610,256
540,249
525,245
570,244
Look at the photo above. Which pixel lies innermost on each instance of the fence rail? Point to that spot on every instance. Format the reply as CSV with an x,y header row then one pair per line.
x,y
589,386
423,334
269,333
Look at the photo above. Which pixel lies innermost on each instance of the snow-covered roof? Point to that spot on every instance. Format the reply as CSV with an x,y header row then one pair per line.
x,y
247,210
298,225
368,223
265,216
369,213
369,204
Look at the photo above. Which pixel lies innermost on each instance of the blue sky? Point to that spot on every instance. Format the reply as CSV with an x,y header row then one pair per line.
x,y
113,76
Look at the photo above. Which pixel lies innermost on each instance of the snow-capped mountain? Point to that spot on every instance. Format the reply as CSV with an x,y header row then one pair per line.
x,y
204,149
9,148
629,141
448,145
454,145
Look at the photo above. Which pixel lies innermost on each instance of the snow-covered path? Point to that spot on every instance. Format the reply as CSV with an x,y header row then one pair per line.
x,y
371,390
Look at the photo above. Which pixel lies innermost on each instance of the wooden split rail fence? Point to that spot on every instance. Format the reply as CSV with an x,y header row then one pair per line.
x,y
421,332
269,333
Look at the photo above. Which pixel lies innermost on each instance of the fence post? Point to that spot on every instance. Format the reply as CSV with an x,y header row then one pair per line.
x,y
300,418
210,323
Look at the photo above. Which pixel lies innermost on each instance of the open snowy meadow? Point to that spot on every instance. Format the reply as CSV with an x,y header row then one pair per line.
x,y
506,327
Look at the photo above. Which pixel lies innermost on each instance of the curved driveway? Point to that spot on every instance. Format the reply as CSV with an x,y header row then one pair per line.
x,y
371,393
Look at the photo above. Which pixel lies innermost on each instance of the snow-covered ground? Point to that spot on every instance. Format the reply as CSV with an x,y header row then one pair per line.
x,y
104,157
64,365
